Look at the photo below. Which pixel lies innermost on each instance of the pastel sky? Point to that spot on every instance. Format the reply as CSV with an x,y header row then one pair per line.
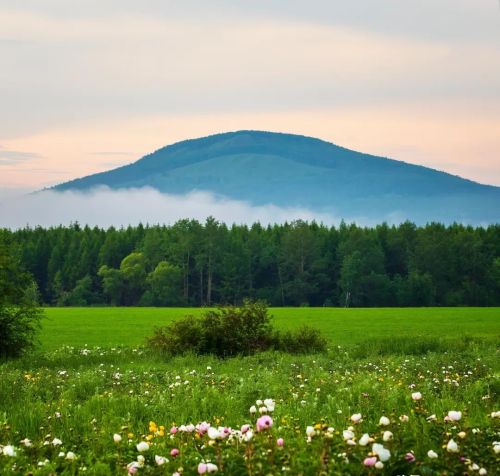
x,y
87,85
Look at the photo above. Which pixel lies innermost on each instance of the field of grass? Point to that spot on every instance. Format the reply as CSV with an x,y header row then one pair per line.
x,y
113,407
130,326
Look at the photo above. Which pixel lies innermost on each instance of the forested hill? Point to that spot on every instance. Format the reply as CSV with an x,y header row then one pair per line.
x,y
295,264
291,170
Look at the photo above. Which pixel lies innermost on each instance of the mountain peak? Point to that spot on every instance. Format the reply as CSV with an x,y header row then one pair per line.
x,y
262,167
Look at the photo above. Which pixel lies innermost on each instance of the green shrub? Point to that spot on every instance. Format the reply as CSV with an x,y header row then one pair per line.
x,y
179,337
305,340
237,330
231,330
19,314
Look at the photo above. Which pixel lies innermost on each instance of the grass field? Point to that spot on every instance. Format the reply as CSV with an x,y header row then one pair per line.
x,y
130,326
400,392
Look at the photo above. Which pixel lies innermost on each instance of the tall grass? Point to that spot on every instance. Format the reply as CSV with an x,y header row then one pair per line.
x,y
417,345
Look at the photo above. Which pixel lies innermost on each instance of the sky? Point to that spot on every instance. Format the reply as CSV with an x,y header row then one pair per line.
x,y
88,85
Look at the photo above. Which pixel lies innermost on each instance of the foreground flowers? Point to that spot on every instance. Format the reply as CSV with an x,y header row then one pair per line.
x,y
453,416
9,450
264,423
432,454
334,419
142,446
206,436
207,468
383,453
356,418
370,450
452,446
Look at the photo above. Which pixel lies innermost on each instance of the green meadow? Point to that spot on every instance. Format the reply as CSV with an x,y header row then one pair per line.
x,y
129,326
400,391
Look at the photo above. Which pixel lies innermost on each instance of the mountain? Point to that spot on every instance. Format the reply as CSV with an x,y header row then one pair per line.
x,y
297,171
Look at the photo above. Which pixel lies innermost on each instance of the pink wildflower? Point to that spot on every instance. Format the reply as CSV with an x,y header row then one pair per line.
x,y
264,422
410,457
207,468
203,427
370,461
202,468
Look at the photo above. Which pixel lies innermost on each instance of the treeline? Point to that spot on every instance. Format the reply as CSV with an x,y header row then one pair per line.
x,y
296,264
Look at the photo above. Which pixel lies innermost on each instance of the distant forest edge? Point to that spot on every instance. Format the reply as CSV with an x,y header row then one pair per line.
x,y
296,264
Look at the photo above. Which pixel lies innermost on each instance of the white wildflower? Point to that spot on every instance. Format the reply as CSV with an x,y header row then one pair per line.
x,y
160,460
452,447
454,415
9,450
356,418
142,446
387,436
364,440
383,453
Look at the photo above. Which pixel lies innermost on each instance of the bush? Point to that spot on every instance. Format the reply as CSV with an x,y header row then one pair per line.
x,y
230,330
19,314
305,340
237,330
179,337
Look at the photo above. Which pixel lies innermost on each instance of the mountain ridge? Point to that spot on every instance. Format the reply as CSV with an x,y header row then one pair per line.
x,y
263,167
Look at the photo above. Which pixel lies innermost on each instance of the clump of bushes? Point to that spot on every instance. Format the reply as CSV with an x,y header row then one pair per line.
x,y
19,312
230,330
304,340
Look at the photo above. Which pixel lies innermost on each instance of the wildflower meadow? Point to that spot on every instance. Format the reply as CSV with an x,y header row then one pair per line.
x,y
368,405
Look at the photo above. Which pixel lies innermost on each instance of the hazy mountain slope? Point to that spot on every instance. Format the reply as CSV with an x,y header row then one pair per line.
x,y
291,170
